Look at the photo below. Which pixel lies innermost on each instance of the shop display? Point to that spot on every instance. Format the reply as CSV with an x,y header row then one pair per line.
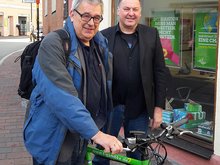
x,y
167,116
206,129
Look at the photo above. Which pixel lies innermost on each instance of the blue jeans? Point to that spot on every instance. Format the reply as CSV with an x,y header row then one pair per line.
x,y
117,120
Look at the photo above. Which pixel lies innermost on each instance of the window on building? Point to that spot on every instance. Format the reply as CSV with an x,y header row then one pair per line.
x,y
54,5
45,7
1,20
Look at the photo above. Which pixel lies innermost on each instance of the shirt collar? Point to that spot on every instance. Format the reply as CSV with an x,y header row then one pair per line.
x,y
118,30
91,47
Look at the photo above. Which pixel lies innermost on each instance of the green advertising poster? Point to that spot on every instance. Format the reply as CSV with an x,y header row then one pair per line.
x,y
205,41
168,25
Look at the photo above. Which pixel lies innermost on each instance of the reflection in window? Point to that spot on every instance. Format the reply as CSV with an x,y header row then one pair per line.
x,y
188,32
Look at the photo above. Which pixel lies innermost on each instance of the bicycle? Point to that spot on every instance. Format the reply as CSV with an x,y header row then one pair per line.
x,y
151,148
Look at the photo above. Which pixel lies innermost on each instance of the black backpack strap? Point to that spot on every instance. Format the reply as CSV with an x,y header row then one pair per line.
x,y
65,37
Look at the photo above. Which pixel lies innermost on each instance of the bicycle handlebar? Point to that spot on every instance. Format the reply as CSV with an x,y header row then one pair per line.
x,y
169,130
150,148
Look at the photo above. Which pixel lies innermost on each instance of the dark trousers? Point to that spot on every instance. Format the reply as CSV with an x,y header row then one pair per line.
x,y
72,152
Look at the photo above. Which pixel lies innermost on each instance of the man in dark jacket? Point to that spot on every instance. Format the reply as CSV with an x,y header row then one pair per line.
x,y
139,73
70,102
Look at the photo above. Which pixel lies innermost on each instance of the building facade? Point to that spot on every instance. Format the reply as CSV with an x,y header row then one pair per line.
x,y
188,29
17,18
53,14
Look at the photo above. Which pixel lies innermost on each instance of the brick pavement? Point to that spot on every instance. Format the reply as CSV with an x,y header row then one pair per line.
x,y
12,151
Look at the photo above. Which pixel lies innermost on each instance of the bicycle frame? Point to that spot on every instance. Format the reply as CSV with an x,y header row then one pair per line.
x,y
159,150
115,157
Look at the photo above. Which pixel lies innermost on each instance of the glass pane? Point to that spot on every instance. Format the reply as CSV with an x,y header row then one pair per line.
x,y
188,32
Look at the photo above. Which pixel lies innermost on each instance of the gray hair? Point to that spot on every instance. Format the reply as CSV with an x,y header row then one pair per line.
x,y
119,1
76,3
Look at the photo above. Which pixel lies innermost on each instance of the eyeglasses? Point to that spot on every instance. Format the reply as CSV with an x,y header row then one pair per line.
x,y
87,17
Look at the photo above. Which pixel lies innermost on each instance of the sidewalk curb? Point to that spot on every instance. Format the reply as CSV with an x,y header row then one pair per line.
x,y
5,57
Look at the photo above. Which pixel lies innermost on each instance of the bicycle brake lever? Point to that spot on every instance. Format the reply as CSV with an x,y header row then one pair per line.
x,y
126,149
170,137
130,150
183,132
130,147
169,130
176,132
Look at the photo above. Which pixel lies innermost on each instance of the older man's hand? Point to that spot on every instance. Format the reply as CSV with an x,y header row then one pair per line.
x,y
108,142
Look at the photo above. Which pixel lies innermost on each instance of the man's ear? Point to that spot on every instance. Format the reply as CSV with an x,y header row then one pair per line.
x,y
71,14
118,11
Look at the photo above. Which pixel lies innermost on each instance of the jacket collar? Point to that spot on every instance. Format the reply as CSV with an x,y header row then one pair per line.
x,y
119,30
142,38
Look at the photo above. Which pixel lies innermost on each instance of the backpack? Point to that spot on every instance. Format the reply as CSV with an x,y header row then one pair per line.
x,y
28,57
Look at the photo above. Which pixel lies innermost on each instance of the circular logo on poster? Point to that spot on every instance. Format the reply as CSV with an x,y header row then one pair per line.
x,y
210,22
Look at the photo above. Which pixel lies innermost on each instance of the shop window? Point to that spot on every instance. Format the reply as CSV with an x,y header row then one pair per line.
x,y
1,21
188,32
188,38
45,7
54,5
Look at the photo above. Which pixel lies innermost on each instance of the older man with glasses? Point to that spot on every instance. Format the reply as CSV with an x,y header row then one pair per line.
x,y
87,17
71,99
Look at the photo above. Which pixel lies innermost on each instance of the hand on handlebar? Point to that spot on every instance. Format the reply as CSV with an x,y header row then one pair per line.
x,y
108,142
157,118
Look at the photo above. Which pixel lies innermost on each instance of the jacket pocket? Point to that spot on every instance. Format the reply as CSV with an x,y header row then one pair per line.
x,y
75,72
32,110
26,123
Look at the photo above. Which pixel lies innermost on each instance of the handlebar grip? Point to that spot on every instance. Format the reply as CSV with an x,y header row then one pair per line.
x,y
181,122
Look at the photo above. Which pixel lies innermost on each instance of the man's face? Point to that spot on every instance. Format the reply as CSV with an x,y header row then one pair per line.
x,y
129,12
86,30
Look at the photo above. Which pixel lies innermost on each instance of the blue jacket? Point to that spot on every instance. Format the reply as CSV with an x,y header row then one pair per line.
x,y
54,104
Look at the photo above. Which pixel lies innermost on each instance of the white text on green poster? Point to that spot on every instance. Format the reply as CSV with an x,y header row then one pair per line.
x,y
205,41
167,24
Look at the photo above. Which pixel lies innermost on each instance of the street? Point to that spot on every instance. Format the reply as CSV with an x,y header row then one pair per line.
x,y
9,45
